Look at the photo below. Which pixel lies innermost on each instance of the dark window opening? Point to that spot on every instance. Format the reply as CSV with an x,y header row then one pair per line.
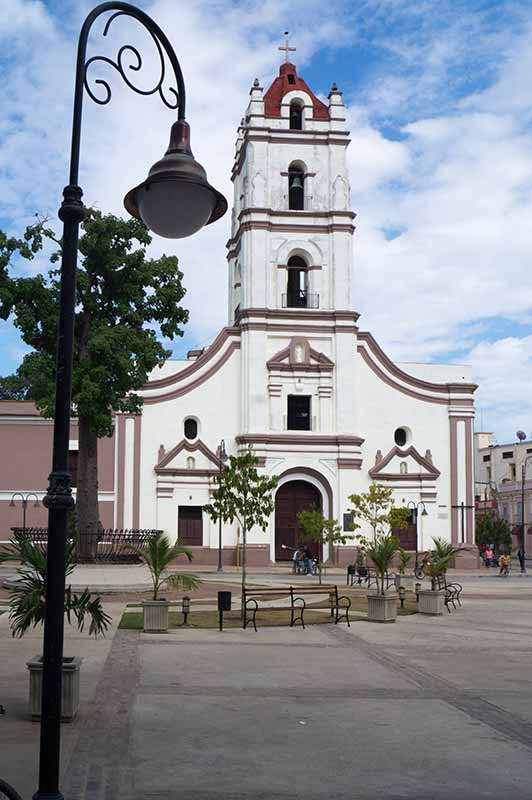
x,y
508,454
296,190
190,526
487,458
291,78
296,116
73,467
400,437
190,428
298,412
529,450
296,287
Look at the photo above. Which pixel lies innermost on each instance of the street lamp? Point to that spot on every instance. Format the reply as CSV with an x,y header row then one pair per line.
x,y
415,513
24,499
222,458
175,200
522,559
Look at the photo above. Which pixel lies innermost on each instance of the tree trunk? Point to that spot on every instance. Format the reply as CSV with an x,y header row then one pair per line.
x,y
87,491
244,532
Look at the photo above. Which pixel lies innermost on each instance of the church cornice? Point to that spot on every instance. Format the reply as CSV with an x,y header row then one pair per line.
x,y
233,245
293,438
280,136
378,472
310,360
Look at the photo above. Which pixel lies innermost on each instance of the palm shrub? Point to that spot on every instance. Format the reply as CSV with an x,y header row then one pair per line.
x,y
439,559
27,601
157,555
404,560
382,550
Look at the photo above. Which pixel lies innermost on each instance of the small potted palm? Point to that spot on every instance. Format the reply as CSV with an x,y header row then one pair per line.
x,y
27,606
437,562
404,560
382,605
158,554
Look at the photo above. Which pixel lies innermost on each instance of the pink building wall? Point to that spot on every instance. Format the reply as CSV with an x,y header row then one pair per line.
x,y
25,462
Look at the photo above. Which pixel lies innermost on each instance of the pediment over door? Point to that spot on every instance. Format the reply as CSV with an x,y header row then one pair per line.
x,y
404,465
187,458
299,356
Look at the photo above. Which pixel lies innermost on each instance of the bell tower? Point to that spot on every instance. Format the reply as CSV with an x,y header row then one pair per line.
x,y
292,226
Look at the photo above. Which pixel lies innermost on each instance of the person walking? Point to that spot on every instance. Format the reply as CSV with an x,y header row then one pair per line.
x,y
307,553
488,556
505,564
521,557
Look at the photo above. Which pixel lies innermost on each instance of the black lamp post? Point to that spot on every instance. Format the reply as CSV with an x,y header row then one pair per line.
x,y
522,559
415,513
222,458
174,201
24,498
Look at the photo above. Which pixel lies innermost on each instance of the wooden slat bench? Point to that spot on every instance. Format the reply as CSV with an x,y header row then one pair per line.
x,y
339,604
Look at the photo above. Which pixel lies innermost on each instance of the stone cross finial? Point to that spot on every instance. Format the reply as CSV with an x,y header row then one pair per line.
x,y
286,48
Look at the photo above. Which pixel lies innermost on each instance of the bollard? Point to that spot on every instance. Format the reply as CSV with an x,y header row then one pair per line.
x,y
224,604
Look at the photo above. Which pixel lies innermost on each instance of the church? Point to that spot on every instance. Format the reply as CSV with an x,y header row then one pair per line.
x,y
292,374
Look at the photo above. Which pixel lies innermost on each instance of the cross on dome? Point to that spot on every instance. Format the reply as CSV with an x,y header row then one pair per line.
x,y
286,48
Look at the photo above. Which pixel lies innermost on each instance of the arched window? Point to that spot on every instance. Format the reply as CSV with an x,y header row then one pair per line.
x,y
191,462
400,437
403,468
296,286
190,428
296,115
296,187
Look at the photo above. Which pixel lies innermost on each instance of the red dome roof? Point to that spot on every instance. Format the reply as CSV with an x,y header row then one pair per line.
x,y
287,81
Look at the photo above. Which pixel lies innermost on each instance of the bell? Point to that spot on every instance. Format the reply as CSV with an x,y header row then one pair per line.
x,y
296,182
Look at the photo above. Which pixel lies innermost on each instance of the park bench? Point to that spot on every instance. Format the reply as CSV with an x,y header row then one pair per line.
x,y
452,591
367,575
339,605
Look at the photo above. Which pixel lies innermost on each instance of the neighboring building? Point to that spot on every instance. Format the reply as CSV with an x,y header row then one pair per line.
x,y
498,481
292,375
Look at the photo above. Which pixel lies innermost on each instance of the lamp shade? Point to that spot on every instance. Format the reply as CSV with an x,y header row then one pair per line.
x,y
176,200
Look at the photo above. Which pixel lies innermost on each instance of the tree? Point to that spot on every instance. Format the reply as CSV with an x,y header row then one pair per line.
x,y
244,495
121,296
158,555
27,601
14,387
376,508
493,529
319,529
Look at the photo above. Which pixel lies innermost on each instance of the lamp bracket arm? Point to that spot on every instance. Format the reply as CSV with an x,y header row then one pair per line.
x,y
127,58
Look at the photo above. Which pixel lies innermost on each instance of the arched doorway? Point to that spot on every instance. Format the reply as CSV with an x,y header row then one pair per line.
x,y
291,498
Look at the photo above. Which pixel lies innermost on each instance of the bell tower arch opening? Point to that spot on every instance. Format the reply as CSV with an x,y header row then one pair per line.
x,y
296,186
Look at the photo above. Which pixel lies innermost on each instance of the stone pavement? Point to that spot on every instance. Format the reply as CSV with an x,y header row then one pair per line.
x,y
435,708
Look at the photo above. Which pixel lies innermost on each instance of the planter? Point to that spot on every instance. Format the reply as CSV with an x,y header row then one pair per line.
x,y
382,607
431,602
155,615
69,691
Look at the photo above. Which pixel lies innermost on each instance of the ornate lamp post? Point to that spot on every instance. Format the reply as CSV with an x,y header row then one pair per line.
x,y
174,201
415,513
24,498
222,458
522,558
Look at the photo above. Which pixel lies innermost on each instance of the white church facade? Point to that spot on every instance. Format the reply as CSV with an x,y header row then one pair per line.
x,y
292,374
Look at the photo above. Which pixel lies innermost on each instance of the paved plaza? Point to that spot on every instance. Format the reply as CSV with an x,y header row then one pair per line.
x,y
428,707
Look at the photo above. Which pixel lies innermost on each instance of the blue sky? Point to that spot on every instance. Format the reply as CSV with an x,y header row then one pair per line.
x,y
439,107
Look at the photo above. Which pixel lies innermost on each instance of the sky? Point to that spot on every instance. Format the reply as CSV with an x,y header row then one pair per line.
x,y
439,102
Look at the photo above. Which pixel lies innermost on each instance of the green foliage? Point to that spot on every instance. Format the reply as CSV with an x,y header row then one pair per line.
x,y
242,493
377,509
404,559
493,529
438,560
27,603
121,295
319,529
157,555
14,387
381,550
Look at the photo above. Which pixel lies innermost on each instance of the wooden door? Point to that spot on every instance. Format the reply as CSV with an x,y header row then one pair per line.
x,y
406,536
189,526
292,498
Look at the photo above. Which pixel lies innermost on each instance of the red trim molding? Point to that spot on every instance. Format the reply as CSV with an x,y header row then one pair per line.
x,y
322,440
379,472
349,463
191,447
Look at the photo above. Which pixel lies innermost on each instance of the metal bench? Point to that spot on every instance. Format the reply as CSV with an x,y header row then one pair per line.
x,y
452,591
339,604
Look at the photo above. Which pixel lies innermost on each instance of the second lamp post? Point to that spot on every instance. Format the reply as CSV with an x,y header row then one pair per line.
x,y
222,458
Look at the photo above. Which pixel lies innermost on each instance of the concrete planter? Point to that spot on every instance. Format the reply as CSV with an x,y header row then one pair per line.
x,y
155,615
431,602
382,607
69,691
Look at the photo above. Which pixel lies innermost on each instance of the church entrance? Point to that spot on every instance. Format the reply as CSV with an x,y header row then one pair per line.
x,y
291,498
